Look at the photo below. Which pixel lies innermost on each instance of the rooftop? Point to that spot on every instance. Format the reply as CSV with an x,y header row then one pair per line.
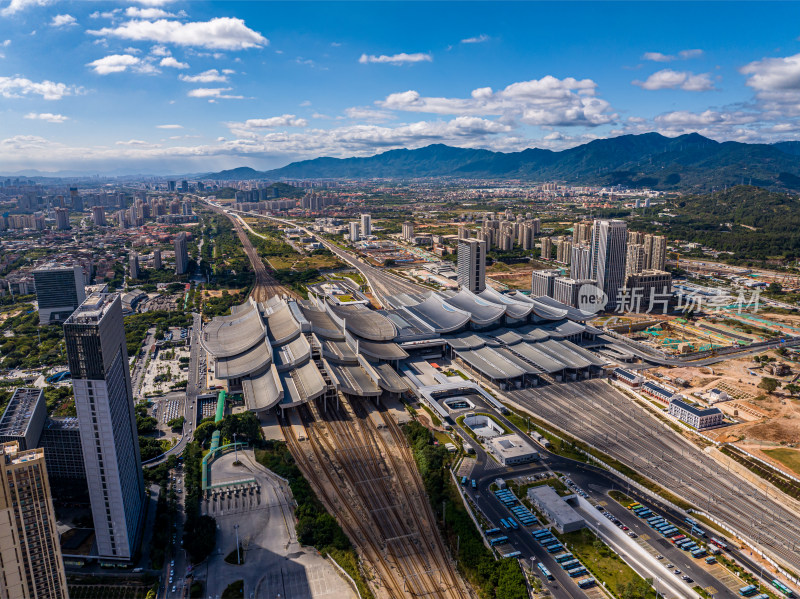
x,y
93,308
693,409
19,412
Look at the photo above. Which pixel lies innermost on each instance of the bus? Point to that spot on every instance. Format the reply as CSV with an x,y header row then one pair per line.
x,y
513,523
474,484
678,539
542,532
577,572
586,583
700,552
554,548
492,531
564,557
513,554
635,506
504,523
545,572
748,591
719,543
497,541
782,588
573,563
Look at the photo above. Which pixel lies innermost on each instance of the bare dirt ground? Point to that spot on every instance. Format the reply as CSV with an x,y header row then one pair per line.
x,y
766,420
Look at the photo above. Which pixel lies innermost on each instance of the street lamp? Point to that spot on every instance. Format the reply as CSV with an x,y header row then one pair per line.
x,y
238,557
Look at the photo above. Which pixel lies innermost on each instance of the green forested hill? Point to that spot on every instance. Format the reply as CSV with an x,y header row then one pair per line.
x,y
749,221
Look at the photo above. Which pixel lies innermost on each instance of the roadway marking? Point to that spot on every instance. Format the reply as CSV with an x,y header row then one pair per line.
x,y
644,536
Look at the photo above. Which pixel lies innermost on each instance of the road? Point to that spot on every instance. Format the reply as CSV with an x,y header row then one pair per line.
x,y
595,412
193,387
381,282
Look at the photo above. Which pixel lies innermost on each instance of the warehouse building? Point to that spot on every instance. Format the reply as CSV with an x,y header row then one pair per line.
x,y
695,416
556,508
512,449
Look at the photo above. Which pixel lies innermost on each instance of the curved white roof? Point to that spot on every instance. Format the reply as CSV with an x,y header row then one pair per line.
x,y
443,318
263,392
514,308
282,325
231,335
365,323
482,312
302,384
249,361
291,354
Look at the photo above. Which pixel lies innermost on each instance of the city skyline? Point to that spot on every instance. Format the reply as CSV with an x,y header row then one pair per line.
x,y
176,87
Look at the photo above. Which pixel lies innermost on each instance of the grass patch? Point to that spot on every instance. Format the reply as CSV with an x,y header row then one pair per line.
x,y
768,473
234,590
621,498
606,566
788,457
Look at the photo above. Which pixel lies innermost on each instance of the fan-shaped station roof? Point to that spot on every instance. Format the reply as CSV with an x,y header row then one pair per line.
x,y
282,325
227,336
482,312
291,354
542,360
353,380
263,391
338,351
252,360
381,351
389,379
302,385
443,318
321,323
365,323
492,364
514,308
466,340
569,312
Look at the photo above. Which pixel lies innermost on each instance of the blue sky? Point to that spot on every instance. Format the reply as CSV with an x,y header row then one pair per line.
x,y
161,86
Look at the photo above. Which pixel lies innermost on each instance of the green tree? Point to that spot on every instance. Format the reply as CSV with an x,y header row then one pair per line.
x,y
792,388
769,385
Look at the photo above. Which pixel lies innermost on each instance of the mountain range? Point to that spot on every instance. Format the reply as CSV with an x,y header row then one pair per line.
x,y
686,162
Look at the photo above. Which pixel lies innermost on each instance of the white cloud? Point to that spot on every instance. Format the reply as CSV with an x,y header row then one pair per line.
x,y
63,21
6,43
210,76
17,87
159,51
147,13
114,63
684,119
213,93
47,116
133,142
682,55
476,40
546,101
396,59
153,2
669,79
221,33
16,6
247,128
369,115
172,63
773,74
169,126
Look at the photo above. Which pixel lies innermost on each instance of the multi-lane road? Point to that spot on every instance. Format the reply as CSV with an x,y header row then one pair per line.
x,y
594,412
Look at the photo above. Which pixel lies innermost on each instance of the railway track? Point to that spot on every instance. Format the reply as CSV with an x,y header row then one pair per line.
x,y
381,500
265,286
627,432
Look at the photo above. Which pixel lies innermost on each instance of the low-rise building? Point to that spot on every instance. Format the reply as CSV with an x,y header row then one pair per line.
x,y
695,416
556,508
512,449
657,391
627,377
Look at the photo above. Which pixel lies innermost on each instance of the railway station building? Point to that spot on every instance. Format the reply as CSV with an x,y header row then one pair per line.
x,y
695,416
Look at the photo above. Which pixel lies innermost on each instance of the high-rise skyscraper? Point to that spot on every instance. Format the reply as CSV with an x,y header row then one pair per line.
x,y
408,231
472,264
635,261
580,262
547,248
156,259
655,249
366,225
355,231
98,362
98,216
31,565
181,254
77,200
608,257
59,290
133,266
62,219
